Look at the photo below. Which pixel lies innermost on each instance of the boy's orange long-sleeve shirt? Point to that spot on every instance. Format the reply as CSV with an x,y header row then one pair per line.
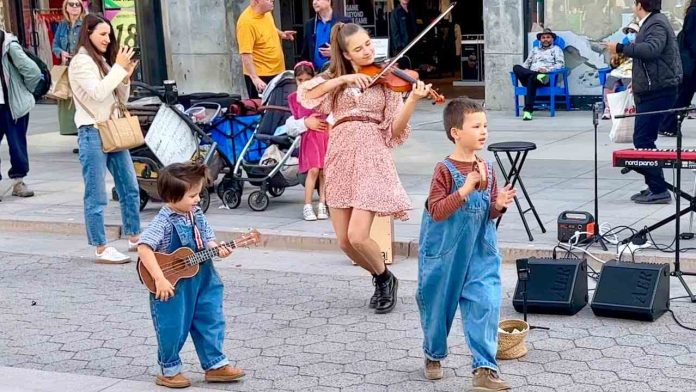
x,y
442,202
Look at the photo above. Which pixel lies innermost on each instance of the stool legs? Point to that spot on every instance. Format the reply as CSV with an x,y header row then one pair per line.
x,y
513,177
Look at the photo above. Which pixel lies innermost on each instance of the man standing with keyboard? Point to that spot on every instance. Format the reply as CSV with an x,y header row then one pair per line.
x,y
657,72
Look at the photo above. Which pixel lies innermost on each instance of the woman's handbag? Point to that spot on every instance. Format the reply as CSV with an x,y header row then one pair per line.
x,y
118,133
60,85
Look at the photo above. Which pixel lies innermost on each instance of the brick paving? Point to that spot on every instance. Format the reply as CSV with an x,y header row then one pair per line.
x,y
303,332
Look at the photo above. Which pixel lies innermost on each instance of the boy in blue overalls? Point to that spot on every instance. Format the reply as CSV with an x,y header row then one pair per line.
x,y
195,306
459,264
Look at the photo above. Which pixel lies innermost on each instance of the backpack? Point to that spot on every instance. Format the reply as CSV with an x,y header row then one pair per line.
x,y
45,83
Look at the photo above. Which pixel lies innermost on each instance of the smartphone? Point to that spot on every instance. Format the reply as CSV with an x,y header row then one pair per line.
x,y
136,54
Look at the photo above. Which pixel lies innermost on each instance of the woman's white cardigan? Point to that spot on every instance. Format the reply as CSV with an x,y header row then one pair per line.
x,y
95,91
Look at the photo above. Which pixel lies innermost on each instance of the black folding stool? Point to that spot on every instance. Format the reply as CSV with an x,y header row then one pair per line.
x,y
513,176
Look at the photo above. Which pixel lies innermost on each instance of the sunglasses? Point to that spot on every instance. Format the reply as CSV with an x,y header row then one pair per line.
x,y
74,5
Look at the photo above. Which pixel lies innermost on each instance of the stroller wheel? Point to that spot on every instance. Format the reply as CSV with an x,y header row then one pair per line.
x,y
258,201
232,198
205,200
144,198
276,191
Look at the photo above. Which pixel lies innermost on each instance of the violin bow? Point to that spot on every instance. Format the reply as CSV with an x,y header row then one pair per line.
x,y
412,43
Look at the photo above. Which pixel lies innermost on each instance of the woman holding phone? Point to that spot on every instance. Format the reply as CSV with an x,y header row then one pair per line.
x,y
100,75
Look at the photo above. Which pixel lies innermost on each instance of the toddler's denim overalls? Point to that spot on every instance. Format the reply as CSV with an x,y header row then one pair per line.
x,y
459,264
196,307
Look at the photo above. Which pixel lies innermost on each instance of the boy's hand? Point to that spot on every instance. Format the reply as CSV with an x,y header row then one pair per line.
x,y
505,197
165,290
224,251
472,180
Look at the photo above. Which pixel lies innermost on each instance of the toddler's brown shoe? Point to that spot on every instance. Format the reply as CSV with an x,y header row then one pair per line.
x,y
433,370
175,381
486,380
226,373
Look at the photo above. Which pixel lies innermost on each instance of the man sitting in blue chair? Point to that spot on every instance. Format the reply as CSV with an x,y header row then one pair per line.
x,y
533,73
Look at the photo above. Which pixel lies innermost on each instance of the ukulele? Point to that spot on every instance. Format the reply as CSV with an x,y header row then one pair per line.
x,y
184,262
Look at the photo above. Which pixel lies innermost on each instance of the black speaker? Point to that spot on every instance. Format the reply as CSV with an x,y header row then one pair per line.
x,y
554,286
636,291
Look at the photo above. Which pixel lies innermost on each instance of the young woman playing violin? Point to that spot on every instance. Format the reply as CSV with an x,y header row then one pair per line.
x,y
361,178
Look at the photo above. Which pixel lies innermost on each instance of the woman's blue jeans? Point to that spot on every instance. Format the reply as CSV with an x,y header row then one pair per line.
x,y
95,163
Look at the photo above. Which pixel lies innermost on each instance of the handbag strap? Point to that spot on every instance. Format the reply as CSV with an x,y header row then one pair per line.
x,y
111,110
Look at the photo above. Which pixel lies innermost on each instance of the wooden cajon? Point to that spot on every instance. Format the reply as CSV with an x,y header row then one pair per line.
x,y
382,232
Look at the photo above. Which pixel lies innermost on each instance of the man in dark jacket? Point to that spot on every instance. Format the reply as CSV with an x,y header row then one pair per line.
x,y
687,49
317,33
403,27
657,72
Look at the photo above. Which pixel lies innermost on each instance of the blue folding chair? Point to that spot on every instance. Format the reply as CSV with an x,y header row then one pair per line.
x,y
546,96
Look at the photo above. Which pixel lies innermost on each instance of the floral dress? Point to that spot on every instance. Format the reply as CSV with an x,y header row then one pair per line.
x,y
359,169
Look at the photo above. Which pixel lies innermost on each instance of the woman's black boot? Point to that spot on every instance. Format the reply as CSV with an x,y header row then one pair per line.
x,y
387,286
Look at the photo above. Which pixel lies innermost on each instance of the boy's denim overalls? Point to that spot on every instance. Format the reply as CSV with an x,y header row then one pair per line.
x,y
196,307
459,264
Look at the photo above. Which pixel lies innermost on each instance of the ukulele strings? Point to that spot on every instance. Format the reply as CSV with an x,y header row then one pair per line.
x,y
176,265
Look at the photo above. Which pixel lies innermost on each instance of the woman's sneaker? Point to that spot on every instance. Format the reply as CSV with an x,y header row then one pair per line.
x,y
488,380
322,211
308,213
111,256
433,370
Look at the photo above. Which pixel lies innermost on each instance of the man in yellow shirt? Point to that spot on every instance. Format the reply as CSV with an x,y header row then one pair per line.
x,y
260,45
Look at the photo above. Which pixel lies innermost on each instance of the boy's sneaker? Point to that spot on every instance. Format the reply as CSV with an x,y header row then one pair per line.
x,y
433,370
111,256
527,116
308,213
488,380
226,373
20,189
322,211
176,381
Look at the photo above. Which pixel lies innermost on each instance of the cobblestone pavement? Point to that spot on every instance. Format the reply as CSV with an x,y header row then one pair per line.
x,y
306,332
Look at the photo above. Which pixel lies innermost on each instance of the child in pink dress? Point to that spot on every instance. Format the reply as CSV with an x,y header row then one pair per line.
x,y
312,145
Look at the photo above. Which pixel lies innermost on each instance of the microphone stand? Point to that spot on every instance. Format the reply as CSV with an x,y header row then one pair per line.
x,y
682,113
596,238
523,273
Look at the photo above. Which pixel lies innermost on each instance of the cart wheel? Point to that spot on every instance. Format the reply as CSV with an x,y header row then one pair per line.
x,y
232,198
258,201
276,191
144,198
205,200
227,184
114,194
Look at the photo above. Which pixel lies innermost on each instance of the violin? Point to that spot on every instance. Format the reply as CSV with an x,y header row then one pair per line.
x,y
402,80
398,80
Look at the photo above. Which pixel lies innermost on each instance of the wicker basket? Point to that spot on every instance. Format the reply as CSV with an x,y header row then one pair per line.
x,y
512,345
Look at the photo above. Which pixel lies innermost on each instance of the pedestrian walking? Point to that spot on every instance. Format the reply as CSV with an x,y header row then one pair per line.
x,y
361,178
195,306
100,75
19,76
64,46
458,262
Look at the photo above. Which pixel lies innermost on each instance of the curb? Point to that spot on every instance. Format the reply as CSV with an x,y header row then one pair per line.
x,y
301,241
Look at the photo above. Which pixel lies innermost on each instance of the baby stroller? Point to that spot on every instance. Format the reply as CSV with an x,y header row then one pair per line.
x,y
273,175
198,118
